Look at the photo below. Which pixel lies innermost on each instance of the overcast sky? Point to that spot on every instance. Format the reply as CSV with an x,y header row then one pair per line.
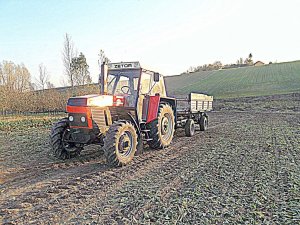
x,y
165,35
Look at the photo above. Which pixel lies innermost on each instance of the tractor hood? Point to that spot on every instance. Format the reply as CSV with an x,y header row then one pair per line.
x,y
96,100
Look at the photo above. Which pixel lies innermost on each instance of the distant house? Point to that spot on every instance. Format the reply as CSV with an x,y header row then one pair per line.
x,y
258,63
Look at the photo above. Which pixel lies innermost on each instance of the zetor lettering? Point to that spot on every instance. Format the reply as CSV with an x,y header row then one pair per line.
x,y
128,65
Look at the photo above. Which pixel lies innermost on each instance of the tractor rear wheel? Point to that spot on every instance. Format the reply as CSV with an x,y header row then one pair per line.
x,y
59,134
162,129
203,122
120,143
189,128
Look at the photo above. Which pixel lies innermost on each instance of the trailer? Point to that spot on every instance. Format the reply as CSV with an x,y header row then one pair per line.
x,y
193,110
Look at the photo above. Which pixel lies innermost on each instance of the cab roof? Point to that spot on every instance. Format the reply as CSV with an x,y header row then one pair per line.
x,y
127,69
124,65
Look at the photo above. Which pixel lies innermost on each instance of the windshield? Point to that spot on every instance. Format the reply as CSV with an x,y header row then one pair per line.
x,y
124,83
120,84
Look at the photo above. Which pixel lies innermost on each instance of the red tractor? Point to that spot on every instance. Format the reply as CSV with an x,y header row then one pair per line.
x,y
131,110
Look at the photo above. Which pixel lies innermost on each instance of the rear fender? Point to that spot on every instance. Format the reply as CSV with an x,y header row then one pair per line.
x,y
172,103
152,108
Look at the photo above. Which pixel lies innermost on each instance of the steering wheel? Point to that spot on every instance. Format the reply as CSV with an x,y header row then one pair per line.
x,y
128,90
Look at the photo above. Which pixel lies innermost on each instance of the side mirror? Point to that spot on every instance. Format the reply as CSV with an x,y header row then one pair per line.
x,y
156,77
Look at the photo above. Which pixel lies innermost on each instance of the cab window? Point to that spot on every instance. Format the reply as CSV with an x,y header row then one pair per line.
x,y
146,82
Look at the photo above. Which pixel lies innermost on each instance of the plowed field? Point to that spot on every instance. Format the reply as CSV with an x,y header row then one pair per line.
x,y
243,169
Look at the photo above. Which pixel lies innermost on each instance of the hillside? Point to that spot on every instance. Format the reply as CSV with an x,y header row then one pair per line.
x,y
280,78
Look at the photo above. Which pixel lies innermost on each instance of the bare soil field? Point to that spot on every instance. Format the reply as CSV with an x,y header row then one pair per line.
x,y
243,169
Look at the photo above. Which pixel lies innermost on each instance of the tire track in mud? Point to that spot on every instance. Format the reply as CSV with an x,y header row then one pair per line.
x,y
106,181
29,176
284,165
95,178
281,178
291,147
286,176
258,185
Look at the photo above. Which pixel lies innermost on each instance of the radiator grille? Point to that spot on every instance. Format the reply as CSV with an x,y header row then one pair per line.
x,y
99,117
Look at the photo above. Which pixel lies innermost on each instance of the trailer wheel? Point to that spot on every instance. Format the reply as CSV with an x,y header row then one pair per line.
x,y
162,129
189,128
61,148
203,122
120,143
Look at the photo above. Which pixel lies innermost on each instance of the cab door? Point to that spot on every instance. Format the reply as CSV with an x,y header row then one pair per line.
x,y
145,86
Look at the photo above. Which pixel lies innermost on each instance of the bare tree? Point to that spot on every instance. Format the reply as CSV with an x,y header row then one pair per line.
x,y
102,58
14,83
43,77
67,55
1,75
241,61
22,78
33,86
50,85
250,56
63,82
14,77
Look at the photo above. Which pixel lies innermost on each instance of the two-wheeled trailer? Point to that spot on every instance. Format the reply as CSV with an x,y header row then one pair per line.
x,y
193,110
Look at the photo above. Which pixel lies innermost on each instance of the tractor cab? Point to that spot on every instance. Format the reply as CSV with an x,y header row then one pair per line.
x,y
131,82
122,82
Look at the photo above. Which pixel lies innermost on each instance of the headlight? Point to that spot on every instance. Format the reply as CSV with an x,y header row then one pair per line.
x,y
82,119
71,118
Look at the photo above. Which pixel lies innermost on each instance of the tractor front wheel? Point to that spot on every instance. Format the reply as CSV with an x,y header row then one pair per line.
x,y
120,143
162,129
60,133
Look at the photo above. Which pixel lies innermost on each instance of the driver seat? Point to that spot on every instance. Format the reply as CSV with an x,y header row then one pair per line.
x,y
130,99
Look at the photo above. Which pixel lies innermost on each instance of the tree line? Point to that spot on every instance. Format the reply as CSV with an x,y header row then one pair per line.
x,y
18,94
218,65
27,100
21,93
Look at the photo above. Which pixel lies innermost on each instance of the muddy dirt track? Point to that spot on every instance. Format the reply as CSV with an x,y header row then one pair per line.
x,y
244,169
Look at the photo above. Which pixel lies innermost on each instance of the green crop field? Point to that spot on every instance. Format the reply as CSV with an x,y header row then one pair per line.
x,y
280,78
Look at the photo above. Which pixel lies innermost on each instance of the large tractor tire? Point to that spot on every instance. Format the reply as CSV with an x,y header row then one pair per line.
x,y
162,129
189,128
120,143
203,122
62,149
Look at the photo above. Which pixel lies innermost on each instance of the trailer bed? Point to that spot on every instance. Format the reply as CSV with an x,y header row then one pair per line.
x,y
194,103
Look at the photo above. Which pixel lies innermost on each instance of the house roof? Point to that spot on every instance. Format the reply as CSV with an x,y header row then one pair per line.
x,y
259,62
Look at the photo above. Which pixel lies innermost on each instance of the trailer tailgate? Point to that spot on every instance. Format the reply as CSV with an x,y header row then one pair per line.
x,y
200,102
